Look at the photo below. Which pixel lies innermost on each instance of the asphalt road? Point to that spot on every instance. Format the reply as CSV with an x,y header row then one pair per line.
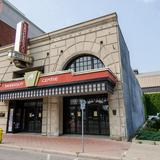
x,y
15,154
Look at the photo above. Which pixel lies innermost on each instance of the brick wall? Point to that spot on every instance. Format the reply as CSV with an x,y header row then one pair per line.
x,y
7,34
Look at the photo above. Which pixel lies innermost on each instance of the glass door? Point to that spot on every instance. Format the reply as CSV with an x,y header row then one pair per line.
x,y
33,116
92,119
25,116
38,117
96,115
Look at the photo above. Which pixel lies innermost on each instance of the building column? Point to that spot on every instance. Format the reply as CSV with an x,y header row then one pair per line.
x,y
52,122
117,116
44,116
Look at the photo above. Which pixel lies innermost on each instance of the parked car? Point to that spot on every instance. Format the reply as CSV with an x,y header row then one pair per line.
x,y
154,117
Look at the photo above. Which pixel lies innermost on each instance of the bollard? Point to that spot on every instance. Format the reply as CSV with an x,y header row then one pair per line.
x,y
1,133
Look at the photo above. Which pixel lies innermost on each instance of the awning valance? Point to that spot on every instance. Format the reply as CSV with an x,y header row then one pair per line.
x,y
62,84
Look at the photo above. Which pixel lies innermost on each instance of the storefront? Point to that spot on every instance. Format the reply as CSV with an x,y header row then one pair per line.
x,y
25,114
88,61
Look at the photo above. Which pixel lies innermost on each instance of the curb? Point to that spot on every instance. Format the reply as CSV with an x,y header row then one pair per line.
x,y
138,141
81,155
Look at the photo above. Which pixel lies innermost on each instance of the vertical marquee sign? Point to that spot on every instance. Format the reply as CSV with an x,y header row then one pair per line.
x,y
19,55
21,38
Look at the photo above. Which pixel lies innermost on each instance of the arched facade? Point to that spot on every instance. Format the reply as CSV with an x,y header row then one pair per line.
x,y
101,75
96,112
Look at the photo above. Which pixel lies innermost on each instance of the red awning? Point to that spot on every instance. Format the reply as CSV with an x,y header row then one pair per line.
x,y
61,83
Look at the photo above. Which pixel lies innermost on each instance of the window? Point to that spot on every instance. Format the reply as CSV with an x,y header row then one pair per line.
x,y
86,62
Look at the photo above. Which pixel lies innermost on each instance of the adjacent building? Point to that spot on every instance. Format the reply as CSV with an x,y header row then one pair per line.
x,y
149,82
84,64
9,17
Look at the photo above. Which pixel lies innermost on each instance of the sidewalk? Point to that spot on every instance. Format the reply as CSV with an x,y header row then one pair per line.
x,y
95,147
143,152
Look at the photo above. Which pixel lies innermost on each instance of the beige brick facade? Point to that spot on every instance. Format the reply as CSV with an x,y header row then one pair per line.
x,y
98,37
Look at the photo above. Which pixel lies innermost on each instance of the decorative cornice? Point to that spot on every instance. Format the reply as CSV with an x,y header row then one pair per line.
x,y
76,28
70,30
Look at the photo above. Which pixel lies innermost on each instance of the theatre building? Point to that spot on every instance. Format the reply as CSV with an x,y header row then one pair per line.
x,y
87,62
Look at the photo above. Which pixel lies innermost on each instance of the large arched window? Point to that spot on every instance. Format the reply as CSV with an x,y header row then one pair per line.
x,y
85,62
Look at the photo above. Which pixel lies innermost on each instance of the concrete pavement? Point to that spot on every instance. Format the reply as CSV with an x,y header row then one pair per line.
x,y
143,152
95,147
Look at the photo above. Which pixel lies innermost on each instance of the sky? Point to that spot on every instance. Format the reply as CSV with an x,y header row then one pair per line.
x,y
139,21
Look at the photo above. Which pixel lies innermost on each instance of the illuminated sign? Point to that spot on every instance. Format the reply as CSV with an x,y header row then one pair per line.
x,y
21,38
19,55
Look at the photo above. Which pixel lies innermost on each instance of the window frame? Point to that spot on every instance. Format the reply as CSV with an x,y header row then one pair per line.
x,y
84,62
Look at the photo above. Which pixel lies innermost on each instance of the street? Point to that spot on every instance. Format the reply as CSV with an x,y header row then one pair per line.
x,y
15,154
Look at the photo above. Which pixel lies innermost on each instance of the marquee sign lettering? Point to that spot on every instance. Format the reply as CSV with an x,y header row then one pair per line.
x,y
19,55
21,37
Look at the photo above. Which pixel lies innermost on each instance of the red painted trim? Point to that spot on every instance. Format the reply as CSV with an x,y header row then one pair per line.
x,y
59,79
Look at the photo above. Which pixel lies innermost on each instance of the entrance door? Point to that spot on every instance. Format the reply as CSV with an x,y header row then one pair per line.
x,y
32,116
25,116
96,117
93,119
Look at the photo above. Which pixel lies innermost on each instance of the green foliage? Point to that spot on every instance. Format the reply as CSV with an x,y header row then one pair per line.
x,y
151,131
148,135
152,103
145,107
153,124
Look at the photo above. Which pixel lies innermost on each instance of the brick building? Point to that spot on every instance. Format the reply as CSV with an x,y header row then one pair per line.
x,y
86,62
7,34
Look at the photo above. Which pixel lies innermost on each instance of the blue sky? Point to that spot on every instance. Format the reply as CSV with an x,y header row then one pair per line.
x,y
139,21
